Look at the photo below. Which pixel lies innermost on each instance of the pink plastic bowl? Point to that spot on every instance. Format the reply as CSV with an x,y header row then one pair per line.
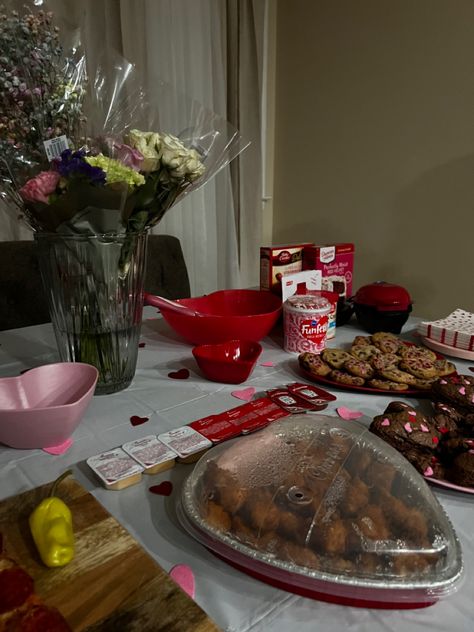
x,y
229,362
43,407
227,315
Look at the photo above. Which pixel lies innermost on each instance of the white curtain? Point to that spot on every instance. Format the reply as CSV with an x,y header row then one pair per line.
x,y
187,44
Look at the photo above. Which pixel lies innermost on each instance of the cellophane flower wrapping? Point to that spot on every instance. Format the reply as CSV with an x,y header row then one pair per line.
x,y
84,148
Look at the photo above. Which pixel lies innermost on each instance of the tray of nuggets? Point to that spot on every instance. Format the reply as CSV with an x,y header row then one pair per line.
x,y
440,444
380,363
325,507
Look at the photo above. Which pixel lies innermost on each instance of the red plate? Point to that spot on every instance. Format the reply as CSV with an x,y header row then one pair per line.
x,y
448,485
410,392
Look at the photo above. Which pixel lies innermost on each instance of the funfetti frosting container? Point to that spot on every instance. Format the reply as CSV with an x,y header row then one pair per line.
x,y
322,507
306,322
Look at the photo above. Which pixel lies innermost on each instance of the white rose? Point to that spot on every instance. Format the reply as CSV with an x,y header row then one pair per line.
x,y
182,163
148,144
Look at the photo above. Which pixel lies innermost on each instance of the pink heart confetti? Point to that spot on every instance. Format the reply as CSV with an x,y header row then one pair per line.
x,y
471,451
348,414
182,374
246,394
163,489
59,449
462,390
472,399
442,382
267,363
424,428
184,577
412,413
428,471
408,428
385,422
135,420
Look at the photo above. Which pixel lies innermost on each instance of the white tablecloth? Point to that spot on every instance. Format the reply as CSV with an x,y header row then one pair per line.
x,y
234,600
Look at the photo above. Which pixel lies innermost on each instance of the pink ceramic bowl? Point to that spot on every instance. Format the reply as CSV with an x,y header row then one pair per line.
x,y
230,362
43,407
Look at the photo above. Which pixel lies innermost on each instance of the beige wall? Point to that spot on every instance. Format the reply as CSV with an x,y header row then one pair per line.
x,y
374,139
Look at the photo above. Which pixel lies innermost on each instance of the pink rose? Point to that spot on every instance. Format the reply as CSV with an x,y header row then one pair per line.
x,y
39,188
128,156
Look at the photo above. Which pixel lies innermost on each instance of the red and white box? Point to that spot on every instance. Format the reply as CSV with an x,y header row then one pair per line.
x,y
277,261
456,330
336,262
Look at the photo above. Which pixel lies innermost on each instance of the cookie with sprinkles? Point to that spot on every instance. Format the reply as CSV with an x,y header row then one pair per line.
x,y
345,378
335,357
387,385
313,363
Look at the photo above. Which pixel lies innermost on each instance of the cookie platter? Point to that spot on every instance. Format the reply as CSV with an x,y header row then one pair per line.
x,y
380,364
318,379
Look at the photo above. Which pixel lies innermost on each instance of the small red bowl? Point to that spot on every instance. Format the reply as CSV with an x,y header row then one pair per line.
x,y
230,362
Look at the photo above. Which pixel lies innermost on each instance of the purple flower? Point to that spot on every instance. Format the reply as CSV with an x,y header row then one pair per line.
x,y
128,156
73,165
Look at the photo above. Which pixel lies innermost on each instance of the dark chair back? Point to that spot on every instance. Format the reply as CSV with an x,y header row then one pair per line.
x,y
22,297
166,272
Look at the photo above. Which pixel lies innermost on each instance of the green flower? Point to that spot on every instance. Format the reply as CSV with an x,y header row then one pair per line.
x,y
115,171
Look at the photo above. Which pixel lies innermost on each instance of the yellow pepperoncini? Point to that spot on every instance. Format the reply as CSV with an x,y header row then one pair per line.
x,y
51,527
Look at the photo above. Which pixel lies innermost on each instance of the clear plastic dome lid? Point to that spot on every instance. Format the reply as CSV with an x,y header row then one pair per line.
x,y
322,504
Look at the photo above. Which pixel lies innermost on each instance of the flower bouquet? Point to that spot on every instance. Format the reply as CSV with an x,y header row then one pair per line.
x,y
85,165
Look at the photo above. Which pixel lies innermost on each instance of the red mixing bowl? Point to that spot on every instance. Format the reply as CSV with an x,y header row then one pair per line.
x,y
226,315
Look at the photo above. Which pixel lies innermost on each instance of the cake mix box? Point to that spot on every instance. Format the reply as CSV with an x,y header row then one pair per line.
x,y
277,261
336,262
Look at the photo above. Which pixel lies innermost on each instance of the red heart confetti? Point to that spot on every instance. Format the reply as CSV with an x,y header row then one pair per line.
x,y
137,421
435,440
444,430
141,345
163,489
182,374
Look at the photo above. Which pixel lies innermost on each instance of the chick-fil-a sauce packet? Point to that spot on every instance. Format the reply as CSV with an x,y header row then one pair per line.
x,y
153,455
289,402
316,396
242,419
255,415
216,428
185,441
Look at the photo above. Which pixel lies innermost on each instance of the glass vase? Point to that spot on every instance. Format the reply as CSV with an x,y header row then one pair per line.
x,y
94,285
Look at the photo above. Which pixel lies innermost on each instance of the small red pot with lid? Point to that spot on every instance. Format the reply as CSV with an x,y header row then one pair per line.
x,y
382,306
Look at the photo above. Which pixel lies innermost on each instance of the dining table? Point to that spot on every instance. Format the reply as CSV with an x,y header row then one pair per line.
x,y
235,601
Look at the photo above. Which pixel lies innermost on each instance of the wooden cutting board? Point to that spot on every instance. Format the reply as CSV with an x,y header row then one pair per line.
x,y
112,583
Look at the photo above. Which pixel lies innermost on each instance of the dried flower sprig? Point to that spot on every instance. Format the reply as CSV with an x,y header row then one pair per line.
x,y
41,90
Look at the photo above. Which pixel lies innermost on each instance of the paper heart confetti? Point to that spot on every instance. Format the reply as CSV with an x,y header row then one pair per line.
x,y
184,577
408,427
348,414
246,394
135,420
385,422
424,428
428,471
181,374
59,449
462,390
163,489
267,363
